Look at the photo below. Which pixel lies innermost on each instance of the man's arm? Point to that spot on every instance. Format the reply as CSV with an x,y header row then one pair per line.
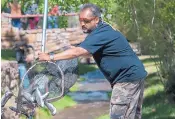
x,y
30,57
68,54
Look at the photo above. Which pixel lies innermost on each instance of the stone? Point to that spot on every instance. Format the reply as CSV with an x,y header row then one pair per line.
x,y
71,29
57,31
13,84
31,38
6,44
8,38
9,76
54,36
9,114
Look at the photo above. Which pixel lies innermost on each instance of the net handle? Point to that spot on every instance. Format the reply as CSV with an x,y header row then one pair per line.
x,y
44,26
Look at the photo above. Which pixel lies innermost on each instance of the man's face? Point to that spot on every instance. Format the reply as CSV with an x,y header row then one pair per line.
x,y
87,21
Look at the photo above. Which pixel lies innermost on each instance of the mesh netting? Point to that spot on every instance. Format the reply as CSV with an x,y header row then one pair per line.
x,y
70,71
55,78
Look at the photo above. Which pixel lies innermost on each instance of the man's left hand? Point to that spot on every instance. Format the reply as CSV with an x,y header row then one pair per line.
x,y
43,57
29,58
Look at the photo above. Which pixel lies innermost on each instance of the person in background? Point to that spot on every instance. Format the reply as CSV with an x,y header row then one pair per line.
x,y
24,22
53,17
116,60
15,11
32,9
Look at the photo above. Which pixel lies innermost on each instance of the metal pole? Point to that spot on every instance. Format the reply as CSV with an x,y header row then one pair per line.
x,y
44,25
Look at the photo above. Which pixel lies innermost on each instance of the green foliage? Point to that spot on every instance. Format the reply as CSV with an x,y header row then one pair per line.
x,y
2,3
152,24
63,22
167,11
69,6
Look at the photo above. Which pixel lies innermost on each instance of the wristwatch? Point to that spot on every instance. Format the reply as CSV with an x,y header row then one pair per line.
x,y
51,56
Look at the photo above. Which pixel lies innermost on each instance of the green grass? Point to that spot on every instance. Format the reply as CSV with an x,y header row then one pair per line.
x,y
42,113
155,105
81,79
104,117
8,54
66,101
149,60
84,68
74,87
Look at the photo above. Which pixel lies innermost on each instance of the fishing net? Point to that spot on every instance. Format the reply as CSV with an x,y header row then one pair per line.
x,y
53,77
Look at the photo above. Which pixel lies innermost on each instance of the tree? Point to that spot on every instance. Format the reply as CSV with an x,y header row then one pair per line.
x,y
152,24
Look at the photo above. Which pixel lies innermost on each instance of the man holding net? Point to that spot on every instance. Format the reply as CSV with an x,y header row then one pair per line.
x,y
115,59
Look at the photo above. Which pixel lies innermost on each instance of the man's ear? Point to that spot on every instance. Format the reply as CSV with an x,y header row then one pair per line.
x,y
97,20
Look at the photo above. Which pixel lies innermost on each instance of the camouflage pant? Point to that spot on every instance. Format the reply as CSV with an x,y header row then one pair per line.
x,y
126,100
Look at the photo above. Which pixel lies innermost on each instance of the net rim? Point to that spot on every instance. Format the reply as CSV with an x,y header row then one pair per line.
x,y
62,79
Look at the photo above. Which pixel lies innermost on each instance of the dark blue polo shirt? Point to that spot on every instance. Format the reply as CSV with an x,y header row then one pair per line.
x,y
113,55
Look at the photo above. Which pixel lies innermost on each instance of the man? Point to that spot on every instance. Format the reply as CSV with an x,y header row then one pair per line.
x,y
116,60
15,11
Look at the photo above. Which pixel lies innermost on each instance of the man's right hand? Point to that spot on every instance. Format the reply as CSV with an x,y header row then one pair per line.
x,y
43,56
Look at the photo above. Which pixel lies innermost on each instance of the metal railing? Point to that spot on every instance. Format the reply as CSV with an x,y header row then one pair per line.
x,y
72,22
37,15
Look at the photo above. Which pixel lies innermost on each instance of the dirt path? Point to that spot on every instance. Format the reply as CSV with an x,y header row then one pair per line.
x,y
84,111
92,98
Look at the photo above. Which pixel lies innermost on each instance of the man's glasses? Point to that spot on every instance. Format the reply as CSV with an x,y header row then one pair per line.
x,y
86,20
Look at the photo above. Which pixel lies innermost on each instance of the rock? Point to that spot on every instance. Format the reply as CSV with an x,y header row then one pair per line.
x,y
13,84
9,76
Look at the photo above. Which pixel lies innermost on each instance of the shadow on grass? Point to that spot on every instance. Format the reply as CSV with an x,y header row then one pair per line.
x,y
157,107
8,54
84,68
152,79
150,59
